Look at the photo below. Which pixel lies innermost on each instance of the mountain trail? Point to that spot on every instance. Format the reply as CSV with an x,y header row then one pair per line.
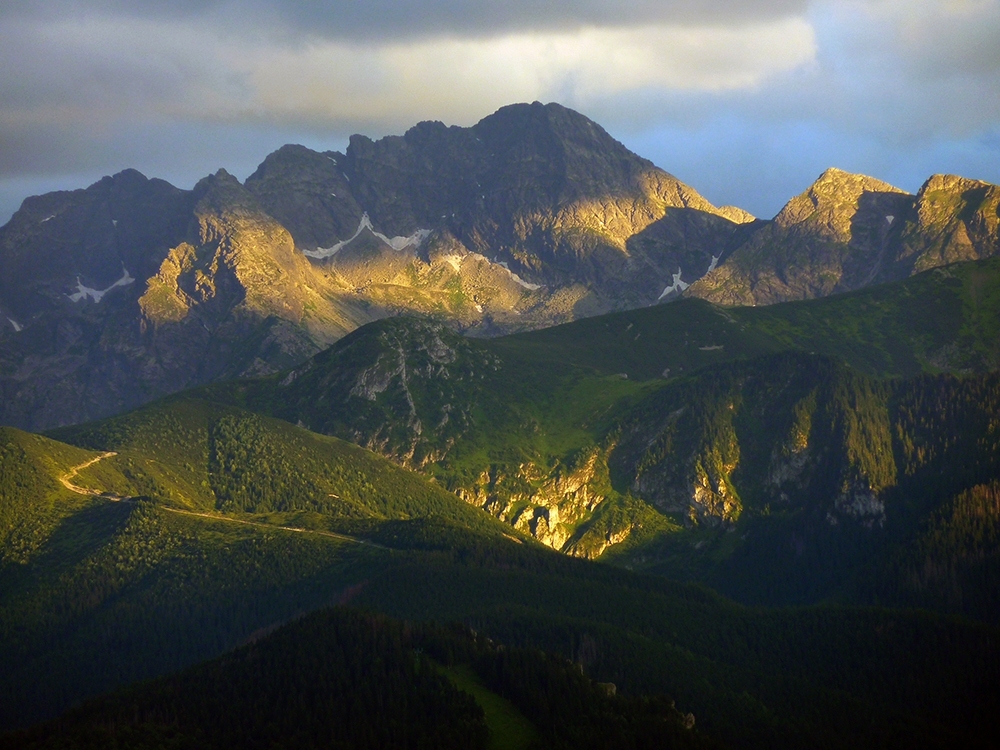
x,y
216,517
65,480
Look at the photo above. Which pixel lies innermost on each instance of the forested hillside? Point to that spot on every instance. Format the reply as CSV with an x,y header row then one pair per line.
x,y
781,454
825,465
339,678
128,587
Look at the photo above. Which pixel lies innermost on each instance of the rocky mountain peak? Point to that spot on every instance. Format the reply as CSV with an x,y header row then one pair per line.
x,y
221,191
834,236
537,124
950,182
550,142
956,219
532,217
832,200
735,214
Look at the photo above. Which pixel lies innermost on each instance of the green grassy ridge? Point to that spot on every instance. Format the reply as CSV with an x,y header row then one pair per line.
x,y
945,319
430,399
166,589
126,575
34,501
531,407
205,456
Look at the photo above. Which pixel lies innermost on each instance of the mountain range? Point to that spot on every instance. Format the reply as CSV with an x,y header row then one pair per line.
x,y
131,289
498,437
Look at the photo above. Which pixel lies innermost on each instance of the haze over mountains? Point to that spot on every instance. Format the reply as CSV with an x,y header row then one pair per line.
x,y
132,289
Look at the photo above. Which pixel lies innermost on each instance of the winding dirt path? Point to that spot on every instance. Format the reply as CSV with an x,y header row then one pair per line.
x,y
66,478
296,529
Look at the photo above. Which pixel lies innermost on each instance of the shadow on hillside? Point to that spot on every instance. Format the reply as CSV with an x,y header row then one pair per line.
x,y
76,538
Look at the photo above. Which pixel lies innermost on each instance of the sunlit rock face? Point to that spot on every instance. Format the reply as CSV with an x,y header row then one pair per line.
x,y
533,216
953,219
132,289
849,231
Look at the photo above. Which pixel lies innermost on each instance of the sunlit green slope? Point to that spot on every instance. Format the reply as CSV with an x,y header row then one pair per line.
x,y
33,500
189,528
943,320
128,587
720,445
196,455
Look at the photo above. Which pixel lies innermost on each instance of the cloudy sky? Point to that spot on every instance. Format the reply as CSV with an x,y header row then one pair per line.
x,y
746,101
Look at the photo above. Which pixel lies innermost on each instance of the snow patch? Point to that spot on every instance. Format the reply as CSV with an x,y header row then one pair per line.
x,y
530,287
714,348
17,326
114,222
713,264
678,286
890,219
518,279
97,294
47,218
455,261
401,243
396,243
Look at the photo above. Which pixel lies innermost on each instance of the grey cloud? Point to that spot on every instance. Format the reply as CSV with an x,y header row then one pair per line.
x,y
62,157
899,95
406,19
956,44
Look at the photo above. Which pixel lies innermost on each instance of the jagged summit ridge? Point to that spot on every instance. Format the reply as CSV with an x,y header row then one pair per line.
x,y
132,289
847,231
535,216
837,194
